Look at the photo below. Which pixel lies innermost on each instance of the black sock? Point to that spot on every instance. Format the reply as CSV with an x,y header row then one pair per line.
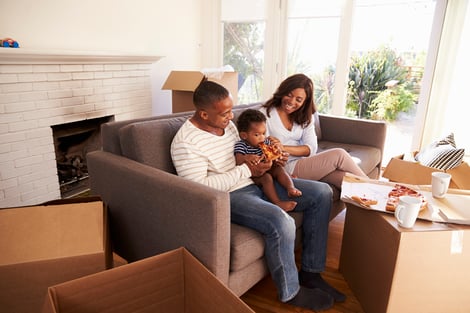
x,y
313,299
314,280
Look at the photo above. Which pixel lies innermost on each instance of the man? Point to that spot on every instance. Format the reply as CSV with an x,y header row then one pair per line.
x,y
202,151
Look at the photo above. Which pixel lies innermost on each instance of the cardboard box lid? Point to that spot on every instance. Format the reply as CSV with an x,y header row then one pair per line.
x,y
408,172
187,81
400,170
170,282
461,175
183,80
55,230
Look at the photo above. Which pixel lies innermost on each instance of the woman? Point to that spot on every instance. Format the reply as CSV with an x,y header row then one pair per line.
x,y
290,120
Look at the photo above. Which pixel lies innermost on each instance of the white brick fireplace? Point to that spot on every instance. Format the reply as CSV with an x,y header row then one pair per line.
x,y
39,90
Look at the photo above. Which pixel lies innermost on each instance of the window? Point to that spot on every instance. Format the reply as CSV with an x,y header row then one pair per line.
x,y
322,38
312,45
243,42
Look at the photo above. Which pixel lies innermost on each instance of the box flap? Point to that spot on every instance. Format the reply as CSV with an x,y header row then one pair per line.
x,y
51,231
183,80
399,170
461,175
408,172
174,281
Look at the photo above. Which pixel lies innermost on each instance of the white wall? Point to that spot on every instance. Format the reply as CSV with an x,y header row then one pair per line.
x,y
171,29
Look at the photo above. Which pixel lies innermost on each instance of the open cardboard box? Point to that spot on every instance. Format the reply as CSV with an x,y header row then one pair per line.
x,y
183,84
48,244
409,172
393,269
170,282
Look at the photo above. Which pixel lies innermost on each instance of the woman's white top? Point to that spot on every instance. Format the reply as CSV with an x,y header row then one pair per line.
x,y
298,136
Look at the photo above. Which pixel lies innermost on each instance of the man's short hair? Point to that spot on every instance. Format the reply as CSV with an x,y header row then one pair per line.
x,y
208,93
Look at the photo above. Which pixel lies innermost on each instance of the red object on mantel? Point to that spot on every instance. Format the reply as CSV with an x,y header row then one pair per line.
x,y
9,43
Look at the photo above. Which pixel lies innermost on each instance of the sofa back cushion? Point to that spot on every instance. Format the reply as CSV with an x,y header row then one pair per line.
x,y
149,142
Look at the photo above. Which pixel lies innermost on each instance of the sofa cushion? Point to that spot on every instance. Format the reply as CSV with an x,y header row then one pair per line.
x,y
366,157
247,245
149,142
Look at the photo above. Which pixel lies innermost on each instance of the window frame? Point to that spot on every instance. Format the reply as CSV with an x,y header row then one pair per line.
x,y
276,54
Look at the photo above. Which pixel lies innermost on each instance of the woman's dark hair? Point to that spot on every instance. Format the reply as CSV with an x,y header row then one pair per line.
x,y
247,117
208,93
302,116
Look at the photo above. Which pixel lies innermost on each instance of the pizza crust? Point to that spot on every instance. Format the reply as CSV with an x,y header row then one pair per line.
x,y
364,201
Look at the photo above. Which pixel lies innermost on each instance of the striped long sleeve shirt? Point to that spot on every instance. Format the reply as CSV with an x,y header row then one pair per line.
x,y
208,159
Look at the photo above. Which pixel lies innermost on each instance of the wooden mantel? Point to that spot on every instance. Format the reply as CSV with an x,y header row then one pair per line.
x,y
27,56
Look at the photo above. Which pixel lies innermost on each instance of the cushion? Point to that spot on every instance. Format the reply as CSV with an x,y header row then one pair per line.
x,y
149,142
442,154
366,157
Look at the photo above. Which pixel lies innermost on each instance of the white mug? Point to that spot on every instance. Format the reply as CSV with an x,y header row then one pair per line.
x,y
440,184
407,211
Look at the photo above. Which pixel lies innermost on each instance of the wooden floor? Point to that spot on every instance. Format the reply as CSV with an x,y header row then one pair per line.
x,y
262,298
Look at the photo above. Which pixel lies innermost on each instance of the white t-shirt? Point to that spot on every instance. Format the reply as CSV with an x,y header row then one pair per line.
x,y
296,137
209,159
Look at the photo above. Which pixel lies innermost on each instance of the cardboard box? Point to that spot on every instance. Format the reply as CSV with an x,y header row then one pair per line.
x,y
170,282
183,84
408,172
48,244
392,269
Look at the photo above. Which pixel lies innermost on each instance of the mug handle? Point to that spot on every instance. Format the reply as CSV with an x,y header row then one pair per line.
x,y
397,213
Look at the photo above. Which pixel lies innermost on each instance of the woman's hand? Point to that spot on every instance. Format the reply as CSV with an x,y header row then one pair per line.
x,y
283,159
276,142
285,155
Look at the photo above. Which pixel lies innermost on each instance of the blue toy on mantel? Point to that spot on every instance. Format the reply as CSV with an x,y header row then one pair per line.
x,y
9,43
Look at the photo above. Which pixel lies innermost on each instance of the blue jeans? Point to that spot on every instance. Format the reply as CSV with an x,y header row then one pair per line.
x,y
250,208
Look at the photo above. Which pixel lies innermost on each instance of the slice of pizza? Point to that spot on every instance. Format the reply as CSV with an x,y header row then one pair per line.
x,y
401,190
364,201
271,152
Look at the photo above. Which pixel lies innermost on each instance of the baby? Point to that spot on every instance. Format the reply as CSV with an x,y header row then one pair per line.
x,y
251,126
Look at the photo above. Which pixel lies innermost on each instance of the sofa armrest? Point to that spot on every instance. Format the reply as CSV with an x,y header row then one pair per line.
x,y
152,211
353,131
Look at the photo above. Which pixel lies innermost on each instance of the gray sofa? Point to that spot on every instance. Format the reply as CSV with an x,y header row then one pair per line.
x,y
152,210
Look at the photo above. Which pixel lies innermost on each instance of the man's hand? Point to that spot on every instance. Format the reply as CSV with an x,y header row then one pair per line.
x,y
260,168
252,159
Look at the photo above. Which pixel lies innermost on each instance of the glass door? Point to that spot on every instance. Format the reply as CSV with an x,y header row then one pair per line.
x,y
243,42
389,45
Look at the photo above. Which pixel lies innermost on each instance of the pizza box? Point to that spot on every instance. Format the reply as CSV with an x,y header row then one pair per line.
x,y
183,83
174,281
405,171
47,244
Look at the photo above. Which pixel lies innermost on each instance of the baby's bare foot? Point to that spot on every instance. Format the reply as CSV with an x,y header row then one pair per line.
x,y
294,192
287,205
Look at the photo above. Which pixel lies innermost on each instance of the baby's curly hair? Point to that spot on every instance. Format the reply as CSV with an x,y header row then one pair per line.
x,y
247,117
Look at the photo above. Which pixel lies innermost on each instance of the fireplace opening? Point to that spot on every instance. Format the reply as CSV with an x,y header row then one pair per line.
x,y
72,142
